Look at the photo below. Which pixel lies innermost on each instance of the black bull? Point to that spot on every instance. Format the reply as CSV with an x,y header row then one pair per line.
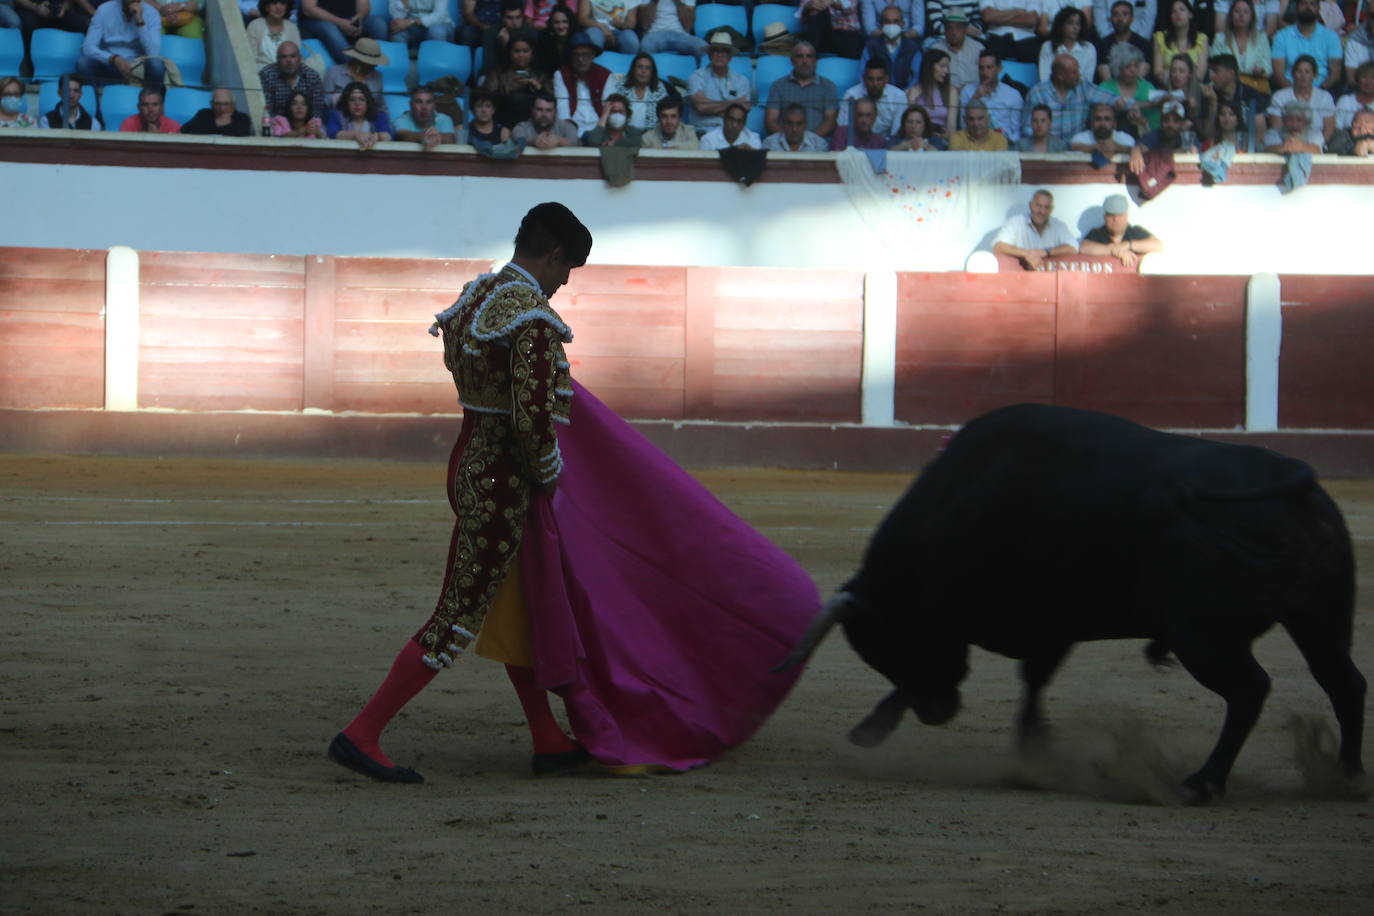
x,y
1039,527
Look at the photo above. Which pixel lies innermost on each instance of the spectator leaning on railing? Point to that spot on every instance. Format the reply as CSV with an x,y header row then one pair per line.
x,y
978,135
544,130
1116,237
69,112
732,132
1035,235
222,118
1040,139
358,118
150,119
861,134
1102,135
794,137
670,132
298,119
1357,139
12,104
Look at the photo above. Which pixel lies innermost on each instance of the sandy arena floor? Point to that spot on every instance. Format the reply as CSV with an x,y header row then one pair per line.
x,y
181,639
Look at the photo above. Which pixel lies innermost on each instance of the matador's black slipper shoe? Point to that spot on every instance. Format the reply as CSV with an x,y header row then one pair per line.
x,y
548,764
346,753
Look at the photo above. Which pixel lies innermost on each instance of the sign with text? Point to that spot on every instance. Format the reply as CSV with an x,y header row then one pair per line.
x,y
1076,263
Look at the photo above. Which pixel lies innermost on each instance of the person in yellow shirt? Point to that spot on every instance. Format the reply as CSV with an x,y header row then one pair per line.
x,y
978,134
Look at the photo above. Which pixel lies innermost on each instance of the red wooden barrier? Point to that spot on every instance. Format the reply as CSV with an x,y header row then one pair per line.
x,y
1325,377
52,336
967,343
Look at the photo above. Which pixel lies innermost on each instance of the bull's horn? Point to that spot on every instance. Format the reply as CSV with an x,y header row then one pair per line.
x,y
835,610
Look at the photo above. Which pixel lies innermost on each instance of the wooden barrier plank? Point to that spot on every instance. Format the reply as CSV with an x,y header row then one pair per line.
x,y
415,306
967,343
616,372
273,338
1328,335
393,336
223,270
200,302
642,403
55,329
626,280
397,397
37,392
363,366
407,273
641,342
837,315
49,294
318,352
53,263
1165,351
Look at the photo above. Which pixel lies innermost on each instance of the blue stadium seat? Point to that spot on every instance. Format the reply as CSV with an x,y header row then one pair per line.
x,y
182,103
396,71
744,66
1026,74
117,102
615,61
53,52
771,67
12,50
312,47
443,58
49,94
712,16
396,105
755,121
478,60
189,56
679,65
767,13
842,71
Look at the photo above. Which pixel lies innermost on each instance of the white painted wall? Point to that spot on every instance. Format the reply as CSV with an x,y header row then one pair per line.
x,y
1222,230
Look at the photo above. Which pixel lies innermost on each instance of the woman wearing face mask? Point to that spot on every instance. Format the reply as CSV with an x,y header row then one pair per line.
x,y
614,127
13,111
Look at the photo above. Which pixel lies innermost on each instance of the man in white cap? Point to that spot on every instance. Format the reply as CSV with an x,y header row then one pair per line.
x,y
715,86
963,51
1036,235
1116,237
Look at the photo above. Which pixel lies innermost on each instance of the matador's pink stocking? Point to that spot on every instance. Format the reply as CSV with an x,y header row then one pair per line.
x,y
407,677
547,734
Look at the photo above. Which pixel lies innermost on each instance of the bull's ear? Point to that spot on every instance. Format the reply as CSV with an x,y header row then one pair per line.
x,y
836,609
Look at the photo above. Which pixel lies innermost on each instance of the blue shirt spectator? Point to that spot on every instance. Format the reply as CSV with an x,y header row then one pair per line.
x,y
120,33
1289,44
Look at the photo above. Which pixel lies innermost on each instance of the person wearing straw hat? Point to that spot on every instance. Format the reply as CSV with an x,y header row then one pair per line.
x,y
715,87
360,66
1116,237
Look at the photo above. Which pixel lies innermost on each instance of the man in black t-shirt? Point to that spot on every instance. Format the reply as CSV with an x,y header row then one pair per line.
x,y
1116,237
222,117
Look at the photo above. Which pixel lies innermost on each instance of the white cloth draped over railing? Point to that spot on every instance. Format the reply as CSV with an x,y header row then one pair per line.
x,y
924,205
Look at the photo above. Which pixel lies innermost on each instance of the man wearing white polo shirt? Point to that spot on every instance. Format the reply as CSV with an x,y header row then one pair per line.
x,y
1032,237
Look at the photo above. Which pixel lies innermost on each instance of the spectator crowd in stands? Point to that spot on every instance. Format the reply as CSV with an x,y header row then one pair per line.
x,y
1105,78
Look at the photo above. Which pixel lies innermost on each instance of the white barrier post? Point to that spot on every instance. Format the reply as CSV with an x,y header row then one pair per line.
x,y
1263,337
879,380
121,329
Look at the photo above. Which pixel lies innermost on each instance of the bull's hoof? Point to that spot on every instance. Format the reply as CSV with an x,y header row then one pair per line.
x,y
871,732
1197,791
